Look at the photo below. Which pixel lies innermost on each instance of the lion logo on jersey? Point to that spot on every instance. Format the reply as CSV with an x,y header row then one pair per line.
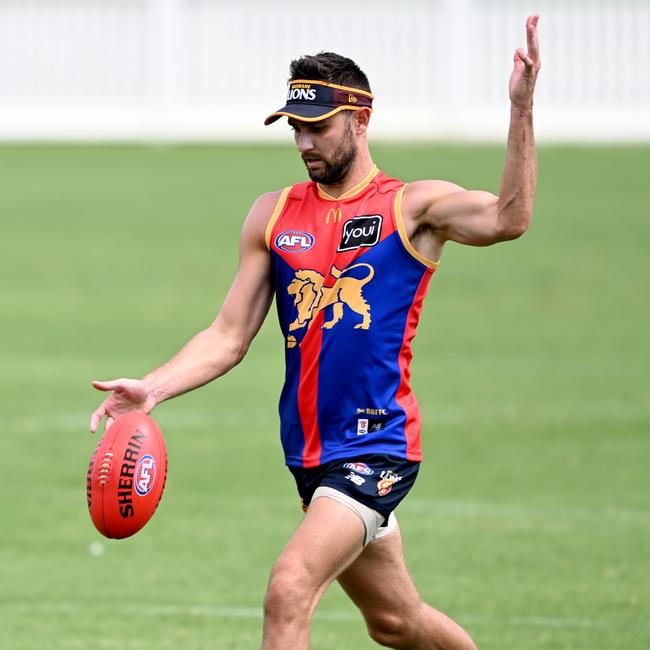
x,y
311,295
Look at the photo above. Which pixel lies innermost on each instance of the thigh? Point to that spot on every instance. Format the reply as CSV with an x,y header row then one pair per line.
x,y
379,580
379,584
327,541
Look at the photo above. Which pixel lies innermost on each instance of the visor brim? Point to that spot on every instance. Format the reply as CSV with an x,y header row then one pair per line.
x,y
308,112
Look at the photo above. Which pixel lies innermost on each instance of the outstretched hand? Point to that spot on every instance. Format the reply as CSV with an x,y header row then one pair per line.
x,y
126,395
527,64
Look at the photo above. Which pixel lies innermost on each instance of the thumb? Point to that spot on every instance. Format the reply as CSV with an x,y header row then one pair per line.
x,y
106,385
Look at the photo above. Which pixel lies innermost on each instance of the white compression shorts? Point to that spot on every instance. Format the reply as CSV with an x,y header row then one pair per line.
x,y
371,519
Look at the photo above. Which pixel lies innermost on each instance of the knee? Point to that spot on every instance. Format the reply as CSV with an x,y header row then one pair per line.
x,y
407,630
288,596
390,629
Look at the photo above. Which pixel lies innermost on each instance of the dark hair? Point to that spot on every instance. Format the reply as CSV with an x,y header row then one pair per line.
x,y
331,67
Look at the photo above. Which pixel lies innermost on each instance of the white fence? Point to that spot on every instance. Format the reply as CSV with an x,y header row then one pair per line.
x,y
186,69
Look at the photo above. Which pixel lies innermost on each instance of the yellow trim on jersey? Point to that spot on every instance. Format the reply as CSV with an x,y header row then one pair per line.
x,y
274,216
403,235
359,187
330,85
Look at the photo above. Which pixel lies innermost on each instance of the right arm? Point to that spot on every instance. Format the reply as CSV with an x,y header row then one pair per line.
x,y
215,350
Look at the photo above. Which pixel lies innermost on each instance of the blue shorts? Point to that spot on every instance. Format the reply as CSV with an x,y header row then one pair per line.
x,y
377,481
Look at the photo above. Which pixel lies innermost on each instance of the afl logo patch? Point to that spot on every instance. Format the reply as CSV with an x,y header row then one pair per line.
x,y
145,475
294,241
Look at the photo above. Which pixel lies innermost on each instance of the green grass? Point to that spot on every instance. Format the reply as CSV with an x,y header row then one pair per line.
x,y
530,522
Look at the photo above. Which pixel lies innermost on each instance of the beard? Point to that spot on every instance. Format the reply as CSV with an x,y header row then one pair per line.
x,y
335,168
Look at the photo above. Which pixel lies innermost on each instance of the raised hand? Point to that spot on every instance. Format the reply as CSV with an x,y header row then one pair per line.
x,y
524,75
126,395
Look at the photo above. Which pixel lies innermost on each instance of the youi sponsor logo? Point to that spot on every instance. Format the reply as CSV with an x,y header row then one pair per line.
x,y
361,231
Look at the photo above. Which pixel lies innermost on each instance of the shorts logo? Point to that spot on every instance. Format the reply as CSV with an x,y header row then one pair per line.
x,y
145,475
355,478
360,231
362,426
294,241
360,468
386,482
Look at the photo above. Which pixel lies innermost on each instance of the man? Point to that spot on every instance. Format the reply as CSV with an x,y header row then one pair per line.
x,y
349,255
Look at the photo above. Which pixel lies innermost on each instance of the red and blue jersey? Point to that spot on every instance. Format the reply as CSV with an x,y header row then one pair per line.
x,y
349,290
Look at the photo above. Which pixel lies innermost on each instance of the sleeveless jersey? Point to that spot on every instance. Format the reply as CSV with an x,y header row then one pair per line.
x,y
349,290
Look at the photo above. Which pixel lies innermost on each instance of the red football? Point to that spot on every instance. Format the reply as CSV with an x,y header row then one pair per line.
x,y
126,475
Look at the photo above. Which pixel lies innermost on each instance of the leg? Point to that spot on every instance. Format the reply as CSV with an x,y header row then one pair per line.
x,y
379,584
327,541
336,316
364,310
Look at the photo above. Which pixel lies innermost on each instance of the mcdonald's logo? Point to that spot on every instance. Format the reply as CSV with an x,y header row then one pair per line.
x,y
334,214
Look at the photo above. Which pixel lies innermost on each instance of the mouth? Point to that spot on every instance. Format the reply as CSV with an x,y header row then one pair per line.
x,y
312,163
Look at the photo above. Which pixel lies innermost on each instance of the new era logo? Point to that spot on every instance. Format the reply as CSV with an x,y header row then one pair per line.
x,y
360,231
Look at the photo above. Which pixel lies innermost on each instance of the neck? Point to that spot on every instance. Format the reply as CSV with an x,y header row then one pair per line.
x,y
360,169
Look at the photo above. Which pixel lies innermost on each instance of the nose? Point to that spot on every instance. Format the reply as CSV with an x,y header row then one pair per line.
x,y
304,142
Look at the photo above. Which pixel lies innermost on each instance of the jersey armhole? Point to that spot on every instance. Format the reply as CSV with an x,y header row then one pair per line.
x,y
403,235
274,216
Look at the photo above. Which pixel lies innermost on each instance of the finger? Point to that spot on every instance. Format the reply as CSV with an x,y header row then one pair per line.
x,y
106,385
519,57
96,418
531,37
109,421
528,62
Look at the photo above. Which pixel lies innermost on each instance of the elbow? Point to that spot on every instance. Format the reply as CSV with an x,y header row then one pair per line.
x,y
236,349
511,231
513,218
229,347
239,352
511,226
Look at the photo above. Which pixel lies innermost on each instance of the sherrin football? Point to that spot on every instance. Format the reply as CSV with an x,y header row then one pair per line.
x,y
126,475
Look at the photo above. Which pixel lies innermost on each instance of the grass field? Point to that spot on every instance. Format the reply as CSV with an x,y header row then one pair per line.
x,y
530,522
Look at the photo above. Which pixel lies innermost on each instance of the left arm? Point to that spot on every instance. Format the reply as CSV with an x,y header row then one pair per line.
x,y
480,218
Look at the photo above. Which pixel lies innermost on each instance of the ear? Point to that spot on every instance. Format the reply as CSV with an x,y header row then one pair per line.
x,y
360,120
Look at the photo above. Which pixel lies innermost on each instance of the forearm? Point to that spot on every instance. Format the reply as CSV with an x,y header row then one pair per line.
x,y
519,179
215,350
208,355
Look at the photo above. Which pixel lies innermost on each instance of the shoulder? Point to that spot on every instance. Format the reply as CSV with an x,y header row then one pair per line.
x,y
265,204
260,214
420,196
